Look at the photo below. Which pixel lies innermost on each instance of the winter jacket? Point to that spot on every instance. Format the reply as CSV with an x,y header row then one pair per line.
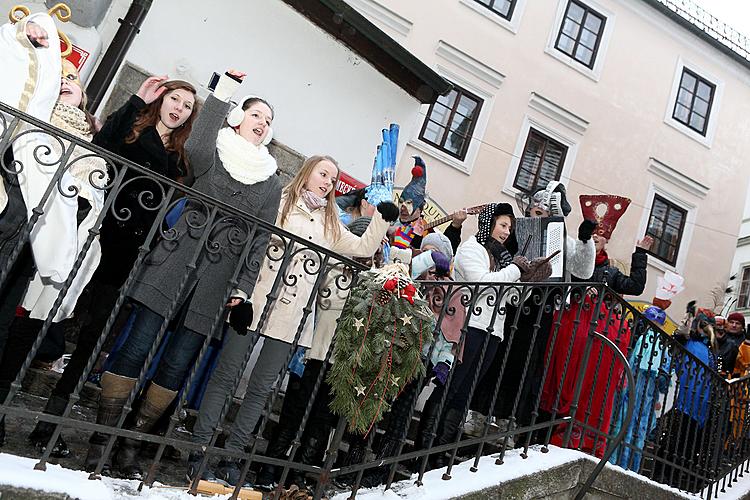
x,y
148,150
286,313
472,263
621,283
694,393
161,274
742,363
120,239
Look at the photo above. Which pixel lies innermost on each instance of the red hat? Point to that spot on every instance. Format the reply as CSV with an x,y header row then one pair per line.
x,y
735,316
605,209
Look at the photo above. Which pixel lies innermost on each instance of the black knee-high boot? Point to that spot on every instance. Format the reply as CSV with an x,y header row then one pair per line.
x,y
43,431
448,431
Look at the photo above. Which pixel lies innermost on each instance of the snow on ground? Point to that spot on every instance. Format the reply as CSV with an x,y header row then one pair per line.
x,y
464,481
19,472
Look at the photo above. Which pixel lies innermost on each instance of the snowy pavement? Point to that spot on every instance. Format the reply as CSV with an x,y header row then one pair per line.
x,y
19,472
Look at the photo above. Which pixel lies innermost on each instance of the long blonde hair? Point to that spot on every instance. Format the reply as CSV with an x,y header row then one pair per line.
x,y
293,190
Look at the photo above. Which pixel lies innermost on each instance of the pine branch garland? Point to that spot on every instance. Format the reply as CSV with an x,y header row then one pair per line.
x,y
378,345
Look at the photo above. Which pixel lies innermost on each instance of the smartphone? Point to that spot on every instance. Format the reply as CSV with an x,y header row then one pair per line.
x,y
215,80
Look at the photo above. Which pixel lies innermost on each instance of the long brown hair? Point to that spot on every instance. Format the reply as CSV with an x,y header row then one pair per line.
x,y
293,190
149,117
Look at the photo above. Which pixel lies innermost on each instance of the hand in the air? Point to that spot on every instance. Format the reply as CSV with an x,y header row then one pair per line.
x,y
458,218
645,243
37,35
151,89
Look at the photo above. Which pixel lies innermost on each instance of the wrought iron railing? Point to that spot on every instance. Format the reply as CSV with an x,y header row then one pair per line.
x,y
578,366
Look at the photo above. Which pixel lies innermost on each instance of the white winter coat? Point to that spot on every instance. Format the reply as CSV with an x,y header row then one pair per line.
x,y
472,263
286,312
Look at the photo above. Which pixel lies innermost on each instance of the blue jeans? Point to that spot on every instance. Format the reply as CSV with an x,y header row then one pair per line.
x,y
182,347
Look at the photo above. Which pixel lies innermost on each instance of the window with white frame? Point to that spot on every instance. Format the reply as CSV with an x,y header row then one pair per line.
x,y
581,33
542,161
503,8
692,106
451,120
743,299
666,224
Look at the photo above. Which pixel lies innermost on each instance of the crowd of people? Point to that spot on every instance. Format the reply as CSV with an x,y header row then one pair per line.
x,y
508,353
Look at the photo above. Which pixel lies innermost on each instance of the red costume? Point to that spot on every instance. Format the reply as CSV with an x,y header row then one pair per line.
x,y
602,370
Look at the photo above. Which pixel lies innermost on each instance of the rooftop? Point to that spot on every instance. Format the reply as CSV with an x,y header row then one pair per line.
x,y
701,23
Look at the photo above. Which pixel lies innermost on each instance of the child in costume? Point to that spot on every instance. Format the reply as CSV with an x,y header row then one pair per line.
x,y
406,233
567,348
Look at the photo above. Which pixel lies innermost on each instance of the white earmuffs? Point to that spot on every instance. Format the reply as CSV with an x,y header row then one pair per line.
x,y
237,114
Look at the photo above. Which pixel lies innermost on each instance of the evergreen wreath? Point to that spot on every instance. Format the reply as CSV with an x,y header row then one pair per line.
x,y
378,345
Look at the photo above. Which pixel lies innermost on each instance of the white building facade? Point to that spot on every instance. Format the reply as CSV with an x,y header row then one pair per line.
x,y
608,96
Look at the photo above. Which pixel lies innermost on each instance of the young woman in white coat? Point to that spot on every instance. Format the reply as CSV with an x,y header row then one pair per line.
x,y
308,210
485,257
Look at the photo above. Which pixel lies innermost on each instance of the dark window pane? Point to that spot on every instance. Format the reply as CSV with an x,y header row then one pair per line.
x,y
704,91
542,161
502,7
455,113
580,33
666,224
693,104
575,12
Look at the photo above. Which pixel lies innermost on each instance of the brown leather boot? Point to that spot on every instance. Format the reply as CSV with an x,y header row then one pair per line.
x,y
115,392
154,404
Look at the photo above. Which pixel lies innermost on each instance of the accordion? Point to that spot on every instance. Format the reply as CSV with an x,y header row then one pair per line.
x,y
541,237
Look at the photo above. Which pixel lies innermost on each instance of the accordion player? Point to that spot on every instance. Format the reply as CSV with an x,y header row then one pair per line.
x,y
542,237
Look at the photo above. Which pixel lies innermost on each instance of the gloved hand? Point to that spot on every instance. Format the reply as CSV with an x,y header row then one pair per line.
x,y
240,317
441,371
540,270
586,229
442,263
388,210
522,263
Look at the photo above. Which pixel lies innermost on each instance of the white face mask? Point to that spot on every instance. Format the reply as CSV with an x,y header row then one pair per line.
x,y
421,263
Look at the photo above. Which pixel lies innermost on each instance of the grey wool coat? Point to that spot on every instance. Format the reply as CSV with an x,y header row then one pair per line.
x,y
158,282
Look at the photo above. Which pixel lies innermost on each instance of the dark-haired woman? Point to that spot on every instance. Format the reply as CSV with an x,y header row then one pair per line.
x,y
150,129
231,163
485,257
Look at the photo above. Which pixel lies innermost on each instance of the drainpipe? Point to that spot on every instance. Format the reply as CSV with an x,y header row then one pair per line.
x,y
110,62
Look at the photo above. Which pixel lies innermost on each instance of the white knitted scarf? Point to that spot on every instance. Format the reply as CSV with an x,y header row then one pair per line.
x,y
245,162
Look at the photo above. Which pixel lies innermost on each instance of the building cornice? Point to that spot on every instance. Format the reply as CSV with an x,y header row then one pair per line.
x,y
558,113
478,69
383,16
677,178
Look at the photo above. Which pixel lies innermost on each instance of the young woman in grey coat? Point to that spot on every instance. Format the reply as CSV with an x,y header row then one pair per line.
x,y
186,274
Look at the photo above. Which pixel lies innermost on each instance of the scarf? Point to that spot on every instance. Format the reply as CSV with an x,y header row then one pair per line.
x,y
71,119
499,254
312,200
601,258
245,162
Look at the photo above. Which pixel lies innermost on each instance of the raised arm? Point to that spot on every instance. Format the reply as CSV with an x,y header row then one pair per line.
x,y
201,145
